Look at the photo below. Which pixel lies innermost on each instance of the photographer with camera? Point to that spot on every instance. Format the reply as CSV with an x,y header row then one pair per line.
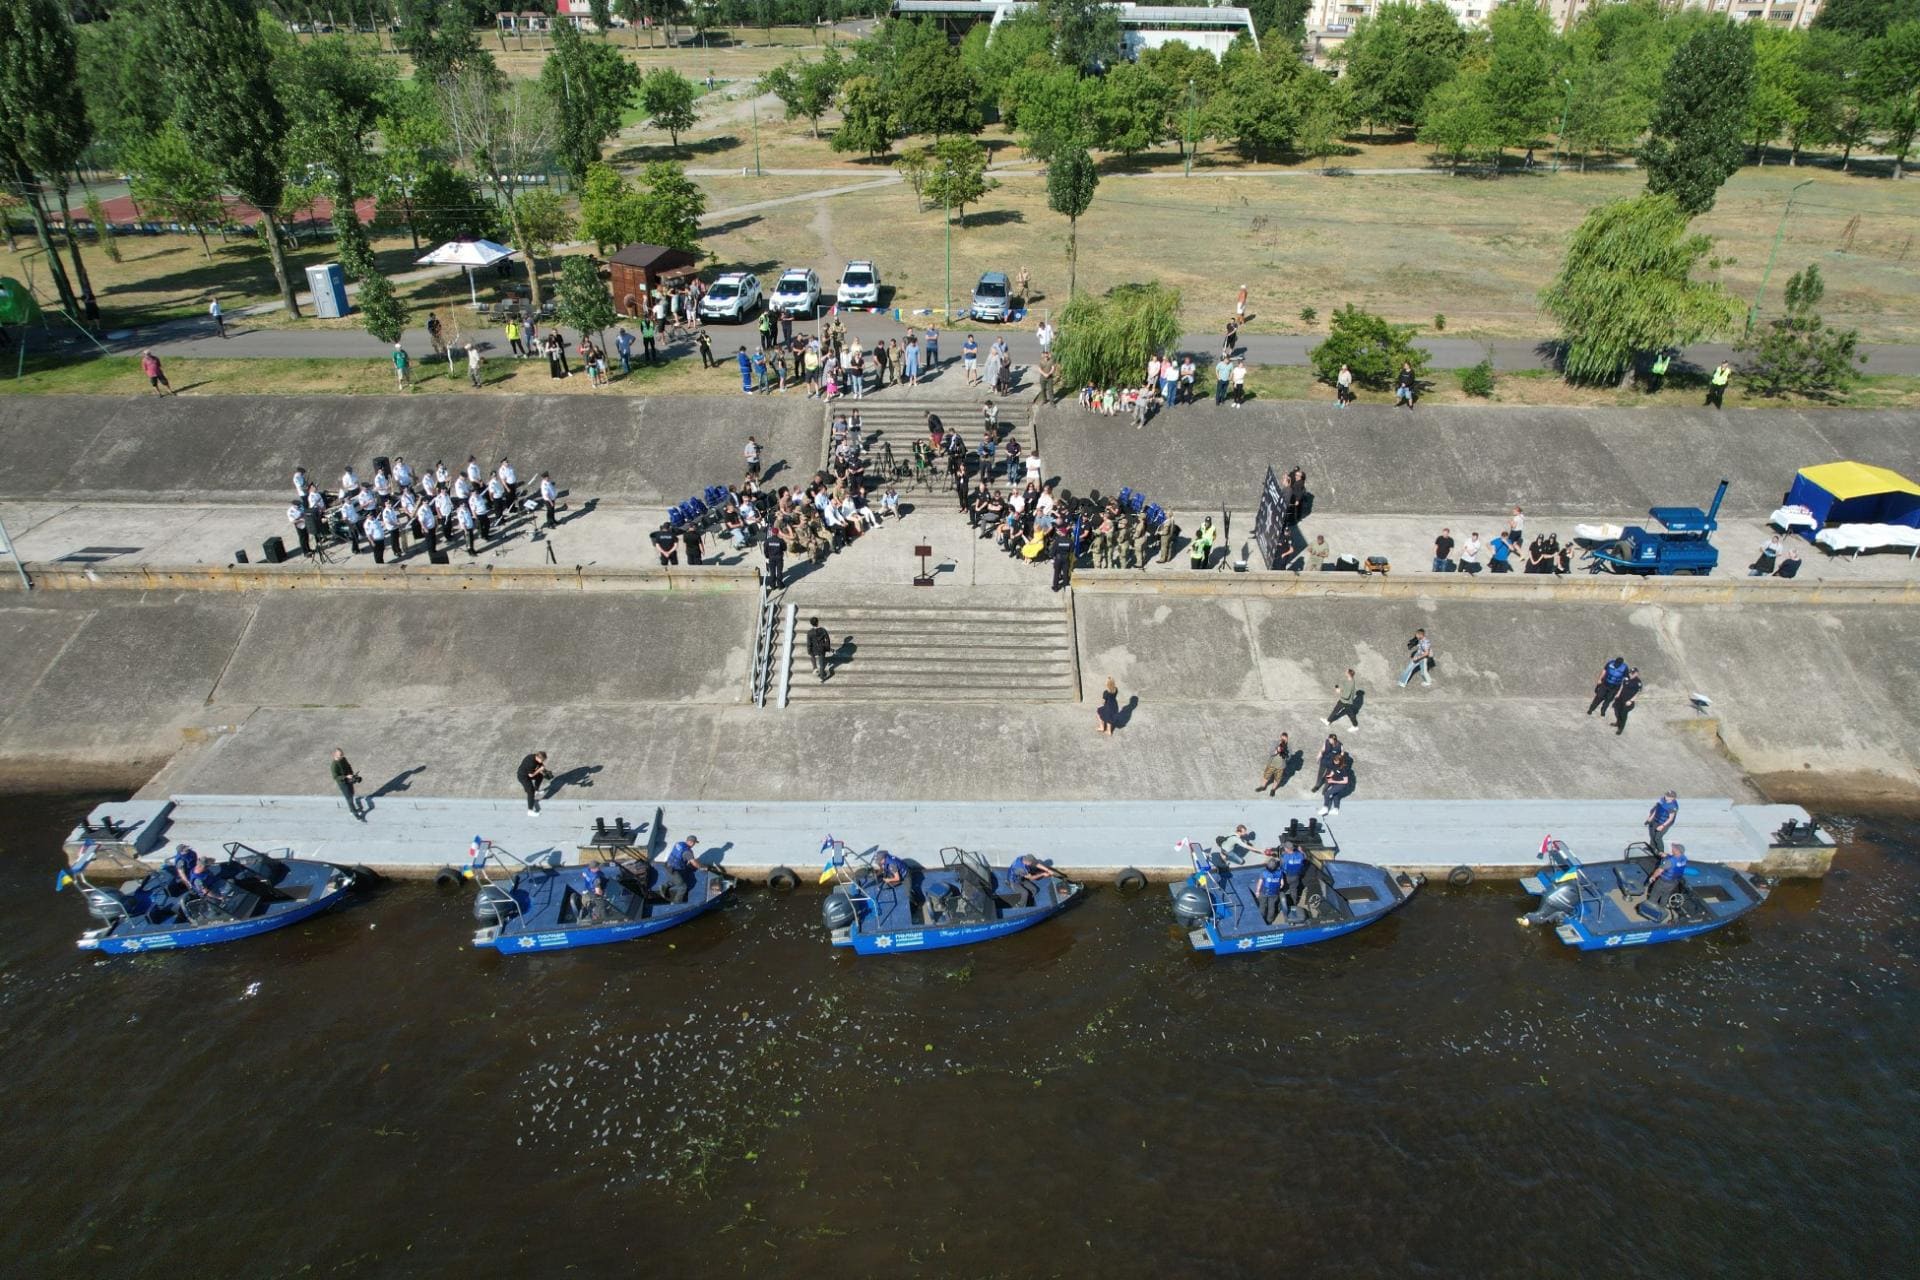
x,y
346,779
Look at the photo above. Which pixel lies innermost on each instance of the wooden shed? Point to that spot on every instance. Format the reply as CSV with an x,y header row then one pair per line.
x,y
639,269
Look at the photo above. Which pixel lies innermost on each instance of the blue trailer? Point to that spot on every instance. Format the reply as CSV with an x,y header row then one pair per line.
x,y
1681,546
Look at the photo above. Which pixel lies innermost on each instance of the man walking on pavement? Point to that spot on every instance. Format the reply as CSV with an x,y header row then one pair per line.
x,y
1660,820
623,347
219,320
1349,694
401,367
820,649
473,365
1717,389
346,779
1422,650
1623,701
1612,676
531,773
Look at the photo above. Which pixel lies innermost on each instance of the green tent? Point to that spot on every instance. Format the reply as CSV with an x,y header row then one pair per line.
x,y
16,304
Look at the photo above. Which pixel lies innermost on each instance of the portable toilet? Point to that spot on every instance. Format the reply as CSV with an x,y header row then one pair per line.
x,y
328,284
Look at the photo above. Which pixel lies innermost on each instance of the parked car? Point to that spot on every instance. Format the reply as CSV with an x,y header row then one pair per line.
x,y
731,297
859,285
992,297
797,293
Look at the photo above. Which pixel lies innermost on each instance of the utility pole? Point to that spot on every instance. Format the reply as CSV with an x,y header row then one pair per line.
x,y
1778,232
946,203
756,139
1189,147
1560,138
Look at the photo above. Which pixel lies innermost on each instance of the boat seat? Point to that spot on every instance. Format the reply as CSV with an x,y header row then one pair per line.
x,y
241,904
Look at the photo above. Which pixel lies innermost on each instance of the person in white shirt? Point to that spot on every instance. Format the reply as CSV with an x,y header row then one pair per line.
x,y
482,513
367,503
407,501
1470,554
462,490
383,484
510,478
300,482
467,526
396,527
1044,335
443,506
297,517
349,484
402,473
550,493
441,473
429,483
474,474
429,526
1033,467
316,501
376,538
473,364
219,320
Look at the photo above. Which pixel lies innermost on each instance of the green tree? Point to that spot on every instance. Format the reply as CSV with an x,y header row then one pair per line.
x,y
610,213
1106,339
914,165
1866,19
1021,39
1256,108
1627,287
1130,110
671,207
1396,58
1798,353
935,93
1697,127
382,313
668,99
868,118
412,140
504,129
116,62
43,123
602,13
633,11
1326,113
218,68
1891,71
1370,346
805,87
1071,179
173,183
959,174
1615,56
543,222
1052,108
582,300
1826,68
1460,121
447,206
439,36
1774,105
589,85
1086,33
1523,72
1282,20
334,91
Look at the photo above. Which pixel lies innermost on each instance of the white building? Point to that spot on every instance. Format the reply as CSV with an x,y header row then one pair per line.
x,y
1142,26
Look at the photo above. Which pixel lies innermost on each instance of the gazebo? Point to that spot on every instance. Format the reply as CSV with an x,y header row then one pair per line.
x,y
639,269
468,254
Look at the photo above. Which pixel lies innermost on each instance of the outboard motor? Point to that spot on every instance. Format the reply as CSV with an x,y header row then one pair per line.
x,y
104,905
838,911
1560,902
1191,905
493,906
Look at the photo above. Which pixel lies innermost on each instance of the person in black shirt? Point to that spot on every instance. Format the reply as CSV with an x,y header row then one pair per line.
x,y
531,773
820,649
690,539
1623,701
667,543
775,549
346,779
1443,552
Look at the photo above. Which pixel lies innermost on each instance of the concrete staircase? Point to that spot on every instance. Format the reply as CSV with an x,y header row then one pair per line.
x,y
925,651
900,422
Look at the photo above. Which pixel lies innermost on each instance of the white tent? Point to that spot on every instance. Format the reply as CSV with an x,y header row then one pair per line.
x,y
468,254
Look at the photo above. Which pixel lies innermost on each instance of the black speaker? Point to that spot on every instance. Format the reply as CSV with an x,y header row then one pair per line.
x,y
382,463
273,551
438,556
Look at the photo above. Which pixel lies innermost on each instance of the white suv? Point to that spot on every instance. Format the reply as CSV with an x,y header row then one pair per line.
x,y
797,293
731,297
859,285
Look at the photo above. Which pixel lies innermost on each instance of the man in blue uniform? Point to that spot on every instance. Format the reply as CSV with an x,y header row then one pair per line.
x,y
891,870
682,863
191,870
1660,820
593,894
1669,877
1024,875
1293,870
1269,890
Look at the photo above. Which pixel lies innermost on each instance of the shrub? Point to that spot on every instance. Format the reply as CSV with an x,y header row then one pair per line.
x,y
1799,353
1439,322
1308,315
1106,340
1371,347
1477,380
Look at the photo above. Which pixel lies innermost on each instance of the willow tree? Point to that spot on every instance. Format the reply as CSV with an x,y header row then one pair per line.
x,y
1106,340
1627,287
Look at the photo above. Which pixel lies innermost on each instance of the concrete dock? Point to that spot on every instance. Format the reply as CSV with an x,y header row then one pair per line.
x,y
405,836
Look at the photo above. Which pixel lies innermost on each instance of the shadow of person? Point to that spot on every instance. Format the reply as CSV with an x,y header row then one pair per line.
x,y
773,469
1292,765
712,858
399,782
585,508
1359,704
1126,713
579,776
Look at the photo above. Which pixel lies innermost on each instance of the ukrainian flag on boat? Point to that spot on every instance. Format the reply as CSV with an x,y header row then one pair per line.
x,y
71,875
835,857
476,858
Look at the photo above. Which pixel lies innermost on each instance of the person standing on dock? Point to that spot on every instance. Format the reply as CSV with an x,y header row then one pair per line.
x,y
1624,700
346,779
1660,820
531,773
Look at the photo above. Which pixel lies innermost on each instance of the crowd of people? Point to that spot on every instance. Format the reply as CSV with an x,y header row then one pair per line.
x,y
431,508
832,364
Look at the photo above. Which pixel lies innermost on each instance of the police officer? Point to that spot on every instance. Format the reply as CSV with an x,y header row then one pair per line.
x,y
1612,676
774,547
1062,557
667,543
593,894
190,869
549,494
1625,699
1293,870
682,863
1024,875
1660,820
1269,891
1126,542
1669,877
297,517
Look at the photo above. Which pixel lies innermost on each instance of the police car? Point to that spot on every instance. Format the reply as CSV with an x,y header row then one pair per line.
x,y
732,297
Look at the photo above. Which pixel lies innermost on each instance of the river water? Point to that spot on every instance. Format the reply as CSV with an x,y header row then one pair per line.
x,y
1443,1094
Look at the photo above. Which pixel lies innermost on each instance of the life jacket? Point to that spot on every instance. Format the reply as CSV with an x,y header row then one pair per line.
x,y
1616,671
1293,864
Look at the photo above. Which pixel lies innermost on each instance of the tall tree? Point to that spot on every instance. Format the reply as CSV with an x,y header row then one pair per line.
x,y
1774,105
439,36
1086,33
582,301
1866,19
1892,76
806,87
504,129
1460,122
382,314
589,85
335,91
172,182
43,123
1051,107
959,175
1626,287
670,207
1256,107
1071,178
1396,58
1798,352
633,11
117,59
610,212
447,206
1522,72
668,98
935,93
413,141
1697,127
869,121
219,70
1130,110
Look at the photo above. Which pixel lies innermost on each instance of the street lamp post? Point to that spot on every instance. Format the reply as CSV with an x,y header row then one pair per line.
x,y
1778,232
1560,138
946,203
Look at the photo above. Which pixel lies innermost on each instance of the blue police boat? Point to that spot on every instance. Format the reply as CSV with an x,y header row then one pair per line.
x,y
524,907
1597,906
1317,899
963,901
248,892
